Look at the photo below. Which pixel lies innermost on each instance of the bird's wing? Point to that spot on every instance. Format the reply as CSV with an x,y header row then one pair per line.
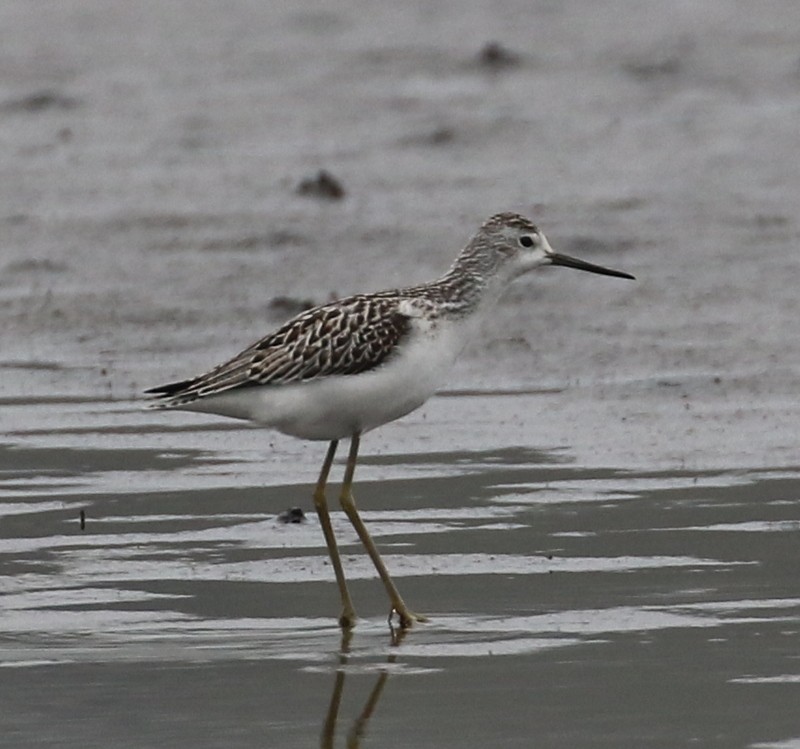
x,y
342,338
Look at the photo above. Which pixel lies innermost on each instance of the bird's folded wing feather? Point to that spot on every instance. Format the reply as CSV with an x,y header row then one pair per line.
x,y
342,338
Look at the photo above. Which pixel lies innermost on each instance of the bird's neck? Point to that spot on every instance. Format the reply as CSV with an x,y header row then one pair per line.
x,y
463,292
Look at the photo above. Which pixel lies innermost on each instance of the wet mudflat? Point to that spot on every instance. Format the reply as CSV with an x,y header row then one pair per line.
x,y
600,516
569,605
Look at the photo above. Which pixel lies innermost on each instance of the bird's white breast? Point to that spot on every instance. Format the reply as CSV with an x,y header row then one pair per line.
x,y
336,407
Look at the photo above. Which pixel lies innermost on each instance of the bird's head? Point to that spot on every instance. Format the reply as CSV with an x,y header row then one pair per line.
x,y
508,245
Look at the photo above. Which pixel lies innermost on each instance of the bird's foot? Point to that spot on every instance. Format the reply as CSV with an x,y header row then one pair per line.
x,y
405,618
347,620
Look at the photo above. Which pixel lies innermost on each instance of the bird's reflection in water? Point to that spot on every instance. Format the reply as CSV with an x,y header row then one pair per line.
x,y
359,726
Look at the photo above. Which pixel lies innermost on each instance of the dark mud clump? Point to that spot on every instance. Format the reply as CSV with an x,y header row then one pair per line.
x,y
324,186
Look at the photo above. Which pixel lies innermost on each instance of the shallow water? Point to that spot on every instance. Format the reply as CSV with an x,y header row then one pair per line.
x,y
568,605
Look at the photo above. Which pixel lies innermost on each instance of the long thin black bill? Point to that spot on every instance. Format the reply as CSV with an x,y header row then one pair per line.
x,y
573,262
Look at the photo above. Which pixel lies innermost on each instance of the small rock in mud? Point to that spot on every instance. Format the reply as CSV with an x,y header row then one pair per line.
x,y
494,56
289,306
324,186
292,515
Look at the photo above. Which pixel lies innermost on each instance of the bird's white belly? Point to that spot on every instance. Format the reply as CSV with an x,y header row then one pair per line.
x,y
337,407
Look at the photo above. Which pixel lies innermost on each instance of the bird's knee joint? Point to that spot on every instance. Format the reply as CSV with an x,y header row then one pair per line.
x,y
348,502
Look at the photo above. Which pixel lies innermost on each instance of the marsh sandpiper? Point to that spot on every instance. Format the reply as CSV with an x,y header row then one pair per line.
x,y
341,369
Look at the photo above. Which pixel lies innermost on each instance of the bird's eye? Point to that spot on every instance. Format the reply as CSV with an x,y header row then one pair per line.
x,y
526,240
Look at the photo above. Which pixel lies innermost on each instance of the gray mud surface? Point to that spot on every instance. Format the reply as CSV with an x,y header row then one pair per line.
x,y
601,513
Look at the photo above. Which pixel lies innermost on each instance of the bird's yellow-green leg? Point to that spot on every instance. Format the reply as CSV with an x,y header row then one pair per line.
x,y
407,617
348,617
